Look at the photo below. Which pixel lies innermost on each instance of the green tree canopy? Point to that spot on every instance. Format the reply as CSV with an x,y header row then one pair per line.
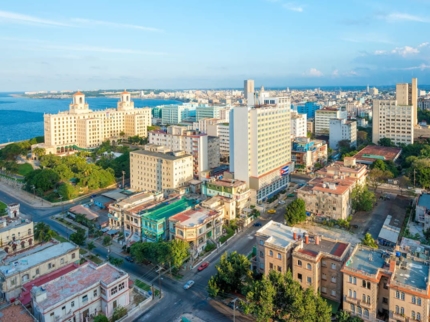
x,y
39,152
376,177
295,212
179,251
42,232
386,142
101,318
362,198
369,241
67,191
78,237
107,241
11,151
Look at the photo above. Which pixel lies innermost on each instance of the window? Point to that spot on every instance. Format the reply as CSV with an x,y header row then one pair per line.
x,y
279,256
414,300
308,266
49,266
37,271
72,304
359,311
364,298
324,277
270,265
261,253
84,298
368,299
299,277
333,293
413,315
103,291
397,294
363,283
25,278
121,286
385,300
115,304
368,285
299,262
73,255
114,290
95,293
352,308
62,261
402,310
366,313
261,242
333,279
402,296
419,301
418,316
309,280
323,290
271,253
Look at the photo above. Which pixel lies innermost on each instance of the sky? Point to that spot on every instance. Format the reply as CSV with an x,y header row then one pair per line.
x,y
172,44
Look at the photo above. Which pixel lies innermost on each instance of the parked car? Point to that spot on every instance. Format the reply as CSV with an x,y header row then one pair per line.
x,y
203,266
129,259
188,284
257,224
271,211
282,202
354,226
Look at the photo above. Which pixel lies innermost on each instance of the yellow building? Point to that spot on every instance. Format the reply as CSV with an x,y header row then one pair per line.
x,y
157,168
84,128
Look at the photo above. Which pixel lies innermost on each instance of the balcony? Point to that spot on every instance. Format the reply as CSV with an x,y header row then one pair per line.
x,y
352,300
113,217
400,317
365,304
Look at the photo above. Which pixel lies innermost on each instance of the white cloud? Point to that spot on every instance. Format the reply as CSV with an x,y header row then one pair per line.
x,y
398,17
335,73
313,72
420,67
292,7
405,51
12,17
424,44
380,52
113,24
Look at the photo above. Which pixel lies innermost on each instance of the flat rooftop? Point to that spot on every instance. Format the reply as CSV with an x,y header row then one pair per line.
x,y
371,153
340,186
278,234
424,201
28,251
117,195
227,183
194,217
76,281
367,260
326,246
412,273
16,312
25,263
166,156
169,208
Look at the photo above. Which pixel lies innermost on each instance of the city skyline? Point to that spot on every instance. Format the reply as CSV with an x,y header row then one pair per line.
x,y
212,45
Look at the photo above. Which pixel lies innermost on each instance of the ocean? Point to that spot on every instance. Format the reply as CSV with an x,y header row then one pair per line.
x,y
22,118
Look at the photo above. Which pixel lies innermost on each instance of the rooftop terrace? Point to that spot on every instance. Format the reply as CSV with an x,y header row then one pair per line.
x,y
326,246
367,260
15,312
191,218
168,209
278,234
412,273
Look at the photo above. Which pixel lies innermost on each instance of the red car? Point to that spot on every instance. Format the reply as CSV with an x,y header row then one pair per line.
x,y
203,266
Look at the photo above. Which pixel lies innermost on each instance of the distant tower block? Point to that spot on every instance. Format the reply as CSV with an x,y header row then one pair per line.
x,y
125,102
13,210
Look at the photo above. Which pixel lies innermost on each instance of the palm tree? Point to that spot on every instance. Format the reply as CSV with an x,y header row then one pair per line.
x,y
42,232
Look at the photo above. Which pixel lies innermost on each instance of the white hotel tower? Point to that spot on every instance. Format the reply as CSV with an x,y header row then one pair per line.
x,y
80,127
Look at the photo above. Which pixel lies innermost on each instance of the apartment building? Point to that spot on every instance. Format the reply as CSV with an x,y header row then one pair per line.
x,y
422,211
275,245
248,92
174,114
305,153
157,168
342,130
197,227
84,128
16,233
323,117
310,125
82,294
348,168
308,108
260,146
407,95
225,206
194,143
317,262
208,126
393,121
34,262
328,196
208,111
424,103
214,153
224,139
298,125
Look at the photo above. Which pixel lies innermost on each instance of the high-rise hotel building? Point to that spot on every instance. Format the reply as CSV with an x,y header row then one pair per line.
x,y
80,127
260,146
395,119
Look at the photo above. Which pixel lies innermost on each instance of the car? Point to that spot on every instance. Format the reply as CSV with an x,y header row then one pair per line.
x,y
354,226
282,202
203,266
271,211
188,284
129,259
257,224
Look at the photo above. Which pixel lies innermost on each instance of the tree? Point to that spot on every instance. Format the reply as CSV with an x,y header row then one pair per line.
x,y
42,232
39,152
78,237
101,318
376,177
118,313
386,142
233,272
213,288
116,261
344,144
420,172
260,297
362,136
107,241
362,198
179,251
67,191
295,212
91,246
11,151
369,241
379,164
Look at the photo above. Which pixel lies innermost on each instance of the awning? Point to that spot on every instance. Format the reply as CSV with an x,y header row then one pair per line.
x,y
334,305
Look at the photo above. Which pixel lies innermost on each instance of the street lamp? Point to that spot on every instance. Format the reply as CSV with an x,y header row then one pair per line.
x,y
123,174
34,191
234,309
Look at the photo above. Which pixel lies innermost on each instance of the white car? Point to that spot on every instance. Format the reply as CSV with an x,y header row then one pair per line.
x,y
188,284
282,202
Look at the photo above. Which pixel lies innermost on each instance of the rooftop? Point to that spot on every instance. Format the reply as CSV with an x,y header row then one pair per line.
x,y
167,156
87,212
424,201
34,259
78,280
412,273
278,234
367,260
371,153
227,182
329,185
169,208
12,223
193,217
115,195
16,312
327,246
28,251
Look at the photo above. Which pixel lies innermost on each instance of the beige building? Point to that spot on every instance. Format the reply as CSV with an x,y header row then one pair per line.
x,y
317,263
197,227
407,95
157,168
261,139
323,117
348,168
24,267
84,128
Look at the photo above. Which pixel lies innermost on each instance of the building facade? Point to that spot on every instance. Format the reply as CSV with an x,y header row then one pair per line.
x,y
308,108
323,117
340,130
348,168
82,294
208,111
306,153
157,168
80,127
298,125
407,95
174,114
260,146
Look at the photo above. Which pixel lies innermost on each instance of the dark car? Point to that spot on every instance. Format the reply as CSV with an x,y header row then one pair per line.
x,y
129,259
203,266
354,226
257,224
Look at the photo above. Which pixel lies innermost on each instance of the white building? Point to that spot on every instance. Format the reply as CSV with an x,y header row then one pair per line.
x,y
224,138
323,117
260,146
298,125
82,294
341,129
203,112
249,92
174,114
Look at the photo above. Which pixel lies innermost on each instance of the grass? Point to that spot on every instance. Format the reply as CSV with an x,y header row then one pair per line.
x,y
145,286
61,239
94,259
3,207
24,169
82,251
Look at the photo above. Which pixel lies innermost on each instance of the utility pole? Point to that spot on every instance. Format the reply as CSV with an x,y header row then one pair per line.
x,y
159,280
415,170
123,174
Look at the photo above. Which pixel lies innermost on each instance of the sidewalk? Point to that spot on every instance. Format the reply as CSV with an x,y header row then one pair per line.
x,y
18,193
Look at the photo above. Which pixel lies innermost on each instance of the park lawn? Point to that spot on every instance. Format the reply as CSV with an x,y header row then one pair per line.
x,y
24,169
3,207
145,286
